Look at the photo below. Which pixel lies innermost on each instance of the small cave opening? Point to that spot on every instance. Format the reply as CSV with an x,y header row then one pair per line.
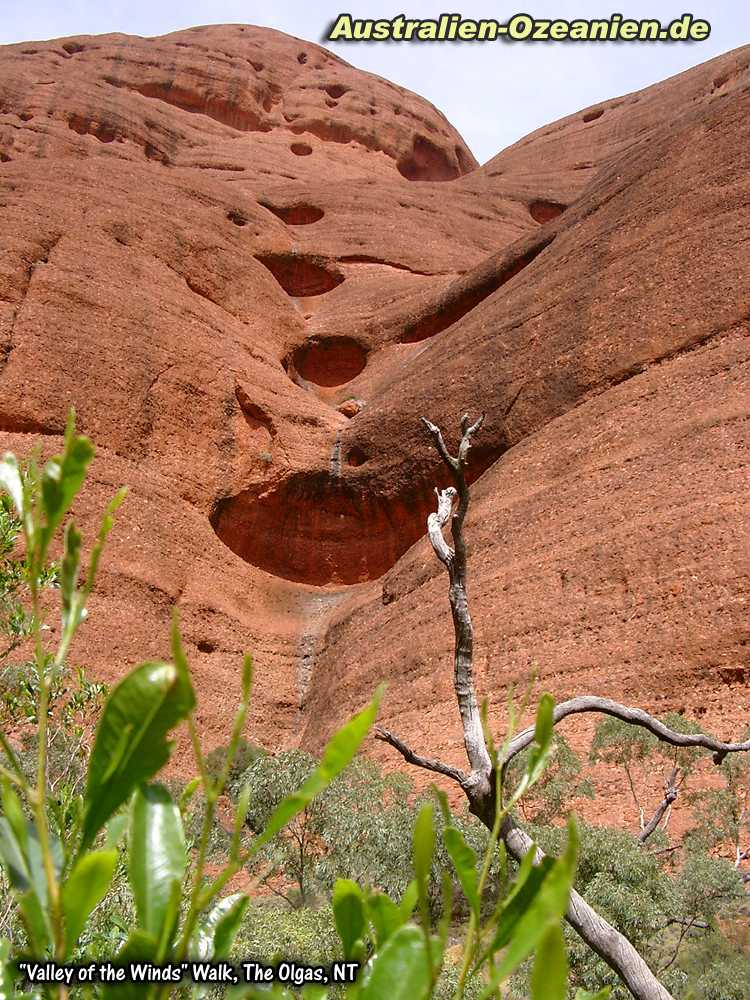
x,y
221,109
301,276
318,529
237,217
427,162
355,457
543,211
301,148
102,131
591,116
328,361
300,214
336,90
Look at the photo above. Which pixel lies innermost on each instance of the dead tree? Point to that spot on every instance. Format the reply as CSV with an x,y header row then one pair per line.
x,y
479,782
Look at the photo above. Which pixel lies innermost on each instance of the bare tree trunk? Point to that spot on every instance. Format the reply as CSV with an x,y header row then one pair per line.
x,y
479,783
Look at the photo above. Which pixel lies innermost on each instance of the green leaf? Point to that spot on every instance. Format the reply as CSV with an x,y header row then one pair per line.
x,y
13,812
115,831
189,791
62,478
227,922
84,888
423,844
240,813
521,896
70,563
10,480
545,723
247,676
446,907
337,754
400,970
139,947
314,992
549,977
539,903
409,900
602,994
104,529
385,916
72,608
540,748
465,862
178,653
214,936
156,855
131,744
169,920
36,922
349,914
21,854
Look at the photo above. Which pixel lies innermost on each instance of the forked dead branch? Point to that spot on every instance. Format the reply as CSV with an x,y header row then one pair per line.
x,y
479,781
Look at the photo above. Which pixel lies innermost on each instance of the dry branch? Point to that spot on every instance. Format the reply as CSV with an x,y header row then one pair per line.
x,y
429,763
635,717
671,791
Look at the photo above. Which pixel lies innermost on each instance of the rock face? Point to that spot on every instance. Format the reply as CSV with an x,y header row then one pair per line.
x,y
251,268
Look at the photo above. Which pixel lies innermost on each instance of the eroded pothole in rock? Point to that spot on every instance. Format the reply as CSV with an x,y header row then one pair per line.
x,y
323,528
301,214
543,211
317,529
427,162
299,275
327,361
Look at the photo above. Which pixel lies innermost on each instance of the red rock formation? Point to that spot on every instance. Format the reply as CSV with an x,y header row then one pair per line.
x,y
252,267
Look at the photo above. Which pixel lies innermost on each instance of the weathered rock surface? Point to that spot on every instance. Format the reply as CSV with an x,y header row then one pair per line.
x,y
251,268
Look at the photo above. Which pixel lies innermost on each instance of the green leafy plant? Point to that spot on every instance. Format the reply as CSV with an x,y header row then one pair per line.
x,y
57,882
407,960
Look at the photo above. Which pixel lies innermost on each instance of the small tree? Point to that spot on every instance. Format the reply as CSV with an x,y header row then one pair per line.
x,y
479,782
356,829
723,814
635,749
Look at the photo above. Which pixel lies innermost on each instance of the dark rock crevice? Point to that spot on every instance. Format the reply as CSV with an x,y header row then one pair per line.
x,y
468,291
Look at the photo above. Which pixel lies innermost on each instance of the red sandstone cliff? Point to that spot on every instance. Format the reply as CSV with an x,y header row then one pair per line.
x,y
213,240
